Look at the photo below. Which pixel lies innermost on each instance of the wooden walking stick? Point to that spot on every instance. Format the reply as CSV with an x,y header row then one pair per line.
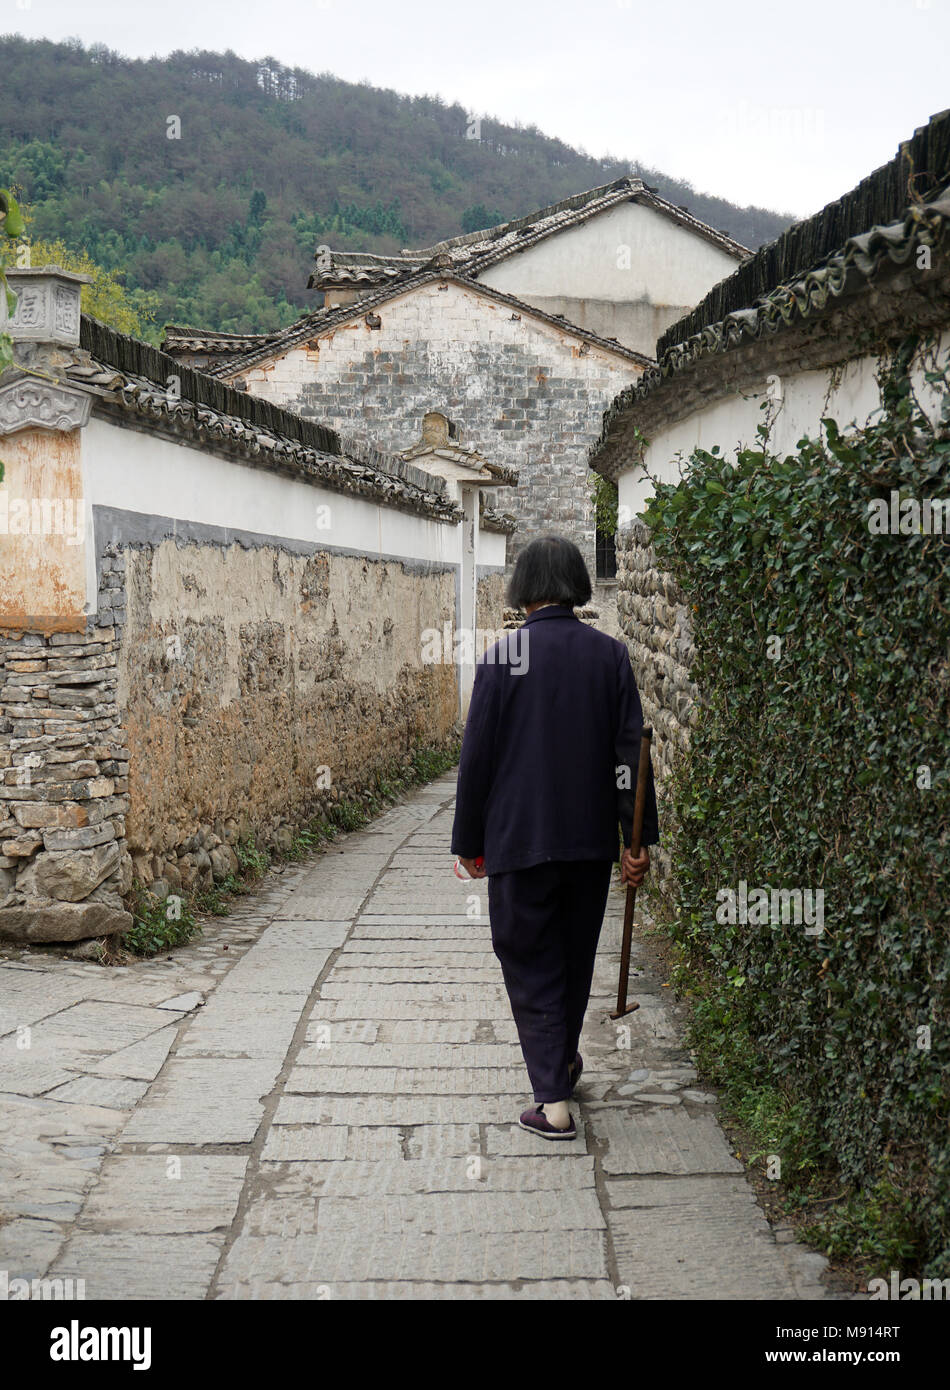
x,y
643,773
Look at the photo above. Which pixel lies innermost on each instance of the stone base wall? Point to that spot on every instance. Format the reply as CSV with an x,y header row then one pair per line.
x,y
654,618
64,862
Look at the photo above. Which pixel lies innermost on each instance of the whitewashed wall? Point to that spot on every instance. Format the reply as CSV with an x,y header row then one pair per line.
x,y
796,405
631,272
131,471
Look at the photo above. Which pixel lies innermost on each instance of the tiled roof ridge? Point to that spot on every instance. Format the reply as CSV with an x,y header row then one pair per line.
x,y
622,187
508,238
182,337
855,263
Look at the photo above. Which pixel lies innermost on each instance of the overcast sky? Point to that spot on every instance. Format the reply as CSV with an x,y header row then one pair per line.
x,y
786,106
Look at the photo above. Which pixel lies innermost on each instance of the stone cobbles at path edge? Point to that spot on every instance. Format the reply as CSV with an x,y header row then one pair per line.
x,y
335,1119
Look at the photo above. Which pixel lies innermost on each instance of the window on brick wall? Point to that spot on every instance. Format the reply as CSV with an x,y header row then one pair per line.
x,y
606,557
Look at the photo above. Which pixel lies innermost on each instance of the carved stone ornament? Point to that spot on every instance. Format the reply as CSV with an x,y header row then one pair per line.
x,y
48,308
29,403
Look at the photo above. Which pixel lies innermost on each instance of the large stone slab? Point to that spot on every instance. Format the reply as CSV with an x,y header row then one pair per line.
x,y
140,1061
437,1081
215,1100
419,995
310,935
162,1194
23,1073
322,909
48,1155
28,1247
276,970
129,1265
308,1142
508,1140
547,1290
430,1141
445,1056
243,1025
383,1110
412,1031
91,1027
113,1093
695,1238
375,949
380,1006
454,1213
475,1257
62,922
660,1141
309,1181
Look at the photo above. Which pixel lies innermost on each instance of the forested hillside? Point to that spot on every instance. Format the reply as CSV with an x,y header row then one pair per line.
x,y
221,223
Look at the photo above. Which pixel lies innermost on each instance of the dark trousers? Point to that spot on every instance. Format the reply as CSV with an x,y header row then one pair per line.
x,y
545,924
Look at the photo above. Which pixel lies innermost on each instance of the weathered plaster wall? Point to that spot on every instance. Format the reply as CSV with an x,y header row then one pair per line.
x,y
787,382
249,678
490,600
163,480
63,761
42,532
526,395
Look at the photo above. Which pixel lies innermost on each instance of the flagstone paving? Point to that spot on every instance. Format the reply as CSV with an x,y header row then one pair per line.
x,y
316,1100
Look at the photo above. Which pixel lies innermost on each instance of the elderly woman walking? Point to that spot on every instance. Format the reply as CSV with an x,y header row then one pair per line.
x,y
546,782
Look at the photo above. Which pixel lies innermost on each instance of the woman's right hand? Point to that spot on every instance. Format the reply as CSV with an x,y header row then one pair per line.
x,y
633,871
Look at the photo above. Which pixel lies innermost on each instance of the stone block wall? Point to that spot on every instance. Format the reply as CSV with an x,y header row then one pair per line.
x,y
64,862
654,620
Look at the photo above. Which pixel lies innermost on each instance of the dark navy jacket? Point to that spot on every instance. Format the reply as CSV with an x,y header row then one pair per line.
x,y
538,777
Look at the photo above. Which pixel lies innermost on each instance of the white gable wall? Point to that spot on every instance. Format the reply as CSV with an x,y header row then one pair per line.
x,y
627,273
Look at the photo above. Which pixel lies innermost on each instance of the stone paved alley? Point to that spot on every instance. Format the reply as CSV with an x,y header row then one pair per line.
x,y
316,1099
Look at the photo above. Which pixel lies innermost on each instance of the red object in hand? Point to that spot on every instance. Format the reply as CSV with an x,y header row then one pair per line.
x,y
478,864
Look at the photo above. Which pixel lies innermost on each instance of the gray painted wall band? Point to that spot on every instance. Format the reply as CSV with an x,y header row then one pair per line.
x,y
115,526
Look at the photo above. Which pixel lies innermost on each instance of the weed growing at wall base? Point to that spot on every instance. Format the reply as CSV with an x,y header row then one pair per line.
x,y
158,925
804,771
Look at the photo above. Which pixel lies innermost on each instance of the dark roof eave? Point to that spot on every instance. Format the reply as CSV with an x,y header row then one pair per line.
x,y
920,167
131,378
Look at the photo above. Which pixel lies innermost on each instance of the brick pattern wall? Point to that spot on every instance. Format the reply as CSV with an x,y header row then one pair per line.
x,y
525,395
